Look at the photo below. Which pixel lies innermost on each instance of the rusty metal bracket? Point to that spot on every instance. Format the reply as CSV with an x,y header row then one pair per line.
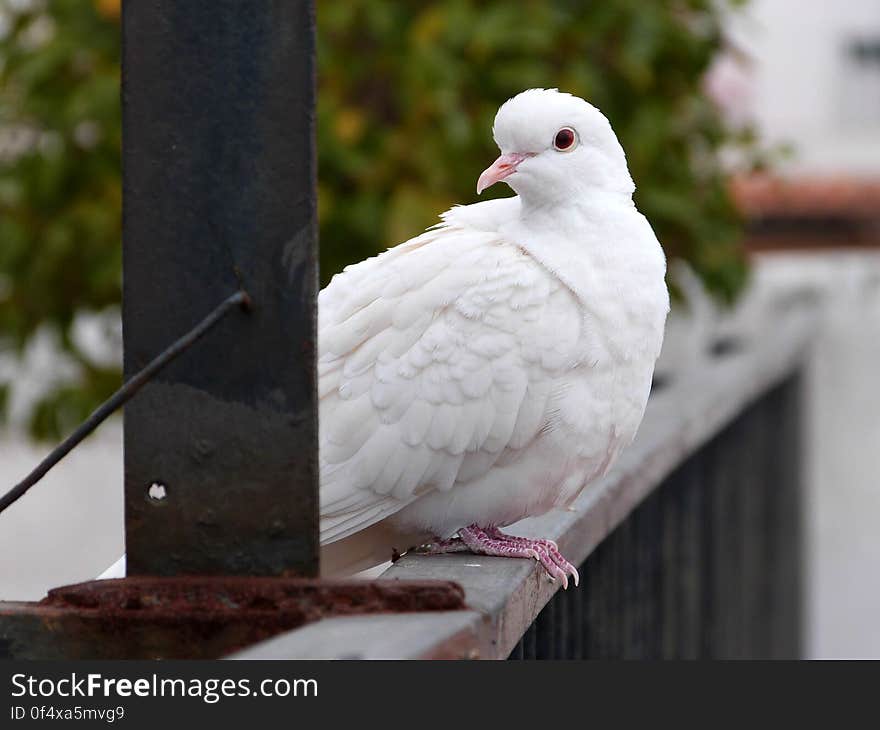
x,y
196,617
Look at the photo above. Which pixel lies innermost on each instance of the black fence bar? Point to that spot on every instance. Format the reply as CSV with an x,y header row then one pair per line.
x,y
219,186
708,566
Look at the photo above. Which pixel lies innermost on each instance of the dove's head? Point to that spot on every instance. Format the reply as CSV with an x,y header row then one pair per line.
x,y
555,147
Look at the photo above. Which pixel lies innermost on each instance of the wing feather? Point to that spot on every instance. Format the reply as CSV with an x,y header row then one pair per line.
x,y
432,365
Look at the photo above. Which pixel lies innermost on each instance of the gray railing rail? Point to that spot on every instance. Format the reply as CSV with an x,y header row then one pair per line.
x,y
725,433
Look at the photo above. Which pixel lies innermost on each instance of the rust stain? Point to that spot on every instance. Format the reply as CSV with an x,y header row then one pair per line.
x,y
239,595
197,616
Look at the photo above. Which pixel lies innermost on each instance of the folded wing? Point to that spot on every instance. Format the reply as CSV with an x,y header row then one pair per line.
x,y
436,360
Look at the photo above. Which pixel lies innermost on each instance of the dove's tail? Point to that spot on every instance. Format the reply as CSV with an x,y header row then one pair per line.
x,y
374,546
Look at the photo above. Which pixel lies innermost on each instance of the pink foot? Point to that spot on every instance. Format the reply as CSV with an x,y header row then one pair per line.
x,y
492,541
550,548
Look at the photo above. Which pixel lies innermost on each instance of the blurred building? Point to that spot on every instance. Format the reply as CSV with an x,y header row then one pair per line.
x,y
806,73
813,80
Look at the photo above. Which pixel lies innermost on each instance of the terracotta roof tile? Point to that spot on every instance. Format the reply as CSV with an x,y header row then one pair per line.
x,y
761,196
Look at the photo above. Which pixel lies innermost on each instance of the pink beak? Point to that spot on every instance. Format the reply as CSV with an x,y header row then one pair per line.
x,y
502,167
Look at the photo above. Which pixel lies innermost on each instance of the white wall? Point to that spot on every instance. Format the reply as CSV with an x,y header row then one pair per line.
x,y
803,90
843,460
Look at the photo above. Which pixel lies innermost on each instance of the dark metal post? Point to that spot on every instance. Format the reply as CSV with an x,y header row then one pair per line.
x,y
219,184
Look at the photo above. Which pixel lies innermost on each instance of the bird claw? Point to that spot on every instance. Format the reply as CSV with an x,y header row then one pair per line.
x,y
553,561
491,541
566,568
553,568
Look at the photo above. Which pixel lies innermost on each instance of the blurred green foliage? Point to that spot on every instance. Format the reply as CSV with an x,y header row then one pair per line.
x,y
60,196
407,93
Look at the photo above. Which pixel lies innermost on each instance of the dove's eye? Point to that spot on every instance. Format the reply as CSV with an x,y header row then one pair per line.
x,y
565,139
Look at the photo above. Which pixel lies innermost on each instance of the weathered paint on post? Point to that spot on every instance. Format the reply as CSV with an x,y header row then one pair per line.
x,y
219,194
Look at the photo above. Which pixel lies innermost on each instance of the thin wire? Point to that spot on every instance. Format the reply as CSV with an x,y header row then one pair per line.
x,y
123,395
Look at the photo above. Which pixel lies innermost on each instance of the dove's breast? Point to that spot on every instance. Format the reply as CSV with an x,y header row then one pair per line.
x,y
587,364
621,290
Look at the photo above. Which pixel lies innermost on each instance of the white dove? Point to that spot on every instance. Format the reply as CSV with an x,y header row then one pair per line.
x,y
493,367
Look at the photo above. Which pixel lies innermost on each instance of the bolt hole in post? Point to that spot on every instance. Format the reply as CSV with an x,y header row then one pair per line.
x,y
157,493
